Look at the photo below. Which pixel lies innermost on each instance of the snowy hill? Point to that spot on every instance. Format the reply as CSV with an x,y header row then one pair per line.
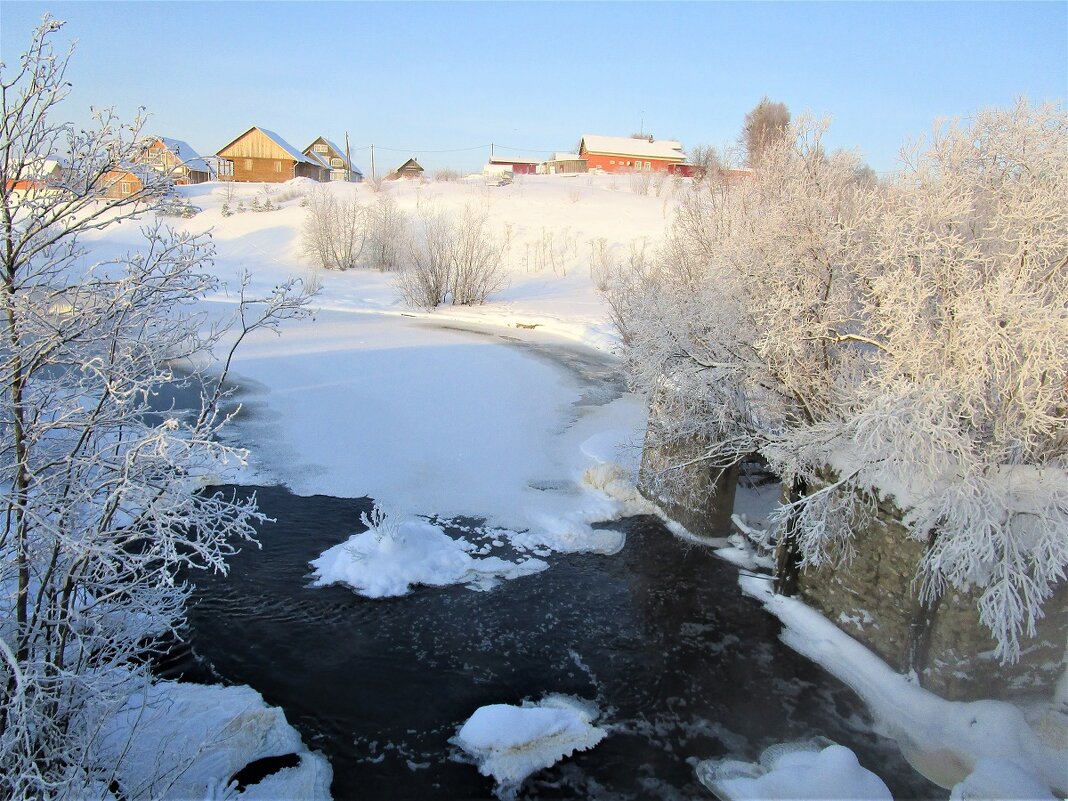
x,y
554,226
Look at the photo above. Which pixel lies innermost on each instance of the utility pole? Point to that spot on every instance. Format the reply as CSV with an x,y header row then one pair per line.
x,y
348,159
491,152
372,162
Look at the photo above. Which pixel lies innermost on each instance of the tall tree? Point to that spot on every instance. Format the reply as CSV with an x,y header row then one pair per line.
x,y
765,125
904,338
102,498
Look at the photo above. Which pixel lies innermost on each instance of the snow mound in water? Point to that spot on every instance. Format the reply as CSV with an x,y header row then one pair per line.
x,y
511,742
794,771
381,563
186,741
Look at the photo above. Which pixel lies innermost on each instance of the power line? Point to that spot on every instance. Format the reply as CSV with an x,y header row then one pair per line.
x,y
420,150
523,149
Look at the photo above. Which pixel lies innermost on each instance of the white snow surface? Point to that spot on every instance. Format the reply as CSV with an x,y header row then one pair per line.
x,y
185,741
510,742
945,740
452,413
784,772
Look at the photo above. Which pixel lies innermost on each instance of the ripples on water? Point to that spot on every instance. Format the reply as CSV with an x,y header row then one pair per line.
x,y
682,665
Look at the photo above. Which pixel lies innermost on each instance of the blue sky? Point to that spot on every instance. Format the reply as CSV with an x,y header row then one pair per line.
x,y
421,77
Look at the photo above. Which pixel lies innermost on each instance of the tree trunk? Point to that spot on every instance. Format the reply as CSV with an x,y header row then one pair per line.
x,y
787,554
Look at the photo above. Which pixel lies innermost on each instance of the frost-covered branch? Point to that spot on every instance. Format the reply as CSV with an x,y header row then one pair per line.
x,y
103,495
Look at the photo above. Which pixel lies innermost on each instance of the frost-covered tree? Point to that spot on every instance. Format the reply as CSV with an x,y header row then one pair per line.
x,y
962,416
103,496
387,234
766,125
733,335
904,339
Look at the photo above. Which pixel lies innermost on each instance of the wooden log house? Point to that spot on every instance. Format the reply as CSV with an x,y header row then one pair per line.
x,y
334,165
263,156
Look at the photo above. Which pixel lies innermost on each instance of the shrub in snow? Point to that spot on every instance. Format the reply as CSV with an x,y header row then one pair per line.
x,y
335,229
177,206
454,259
901,340
103,502
510,743
387,234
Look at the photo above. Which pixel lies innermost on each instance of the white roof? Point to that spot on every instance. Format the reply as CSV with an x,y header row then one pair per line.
x,y
626,146
295,154
566,156
514,160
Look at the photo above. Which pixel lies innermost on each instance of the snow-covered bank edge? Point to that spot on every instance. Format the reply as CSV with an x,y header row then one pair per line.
x,y
186,741
946,741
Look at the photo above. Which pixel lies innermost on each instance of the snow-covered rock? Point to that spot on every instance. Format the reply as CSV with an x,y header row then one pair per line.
x,y
186,741
510,742
380,564
794,771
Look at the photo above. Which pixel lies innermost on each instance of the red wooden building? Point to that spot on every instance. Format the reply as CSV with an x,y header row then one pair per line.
x,y
519,165
630,154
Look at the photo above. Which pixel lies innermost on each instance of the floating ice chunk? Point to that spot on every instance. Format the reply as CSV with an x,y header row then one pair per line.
x,y
794,771
378,564
511,742
566,535
995,778
185,741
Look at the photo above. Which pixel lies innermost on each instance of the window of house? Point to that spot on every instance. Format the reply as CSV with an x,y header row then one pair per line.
x,y
124,187
321,149
278,166
248,165
613,161
648,165
637,165
337,162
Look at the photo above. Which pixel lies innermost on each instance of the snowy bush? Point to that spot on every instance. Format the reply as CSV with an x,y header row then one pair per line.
x,y
335,230
387,234
904,339
454,260
103,499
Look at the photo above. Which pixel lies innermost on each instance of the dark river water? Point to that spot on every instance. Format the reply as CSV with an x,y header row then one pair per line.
x,y
681,664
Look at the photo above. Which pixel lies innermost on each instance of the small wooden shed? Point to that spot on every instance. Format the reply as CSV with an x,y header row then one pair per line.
x,y
409,169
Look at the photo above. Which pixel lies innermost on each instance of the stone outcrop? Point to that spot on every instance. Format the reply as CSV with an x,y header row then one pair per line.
x,y
692,492
874,598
